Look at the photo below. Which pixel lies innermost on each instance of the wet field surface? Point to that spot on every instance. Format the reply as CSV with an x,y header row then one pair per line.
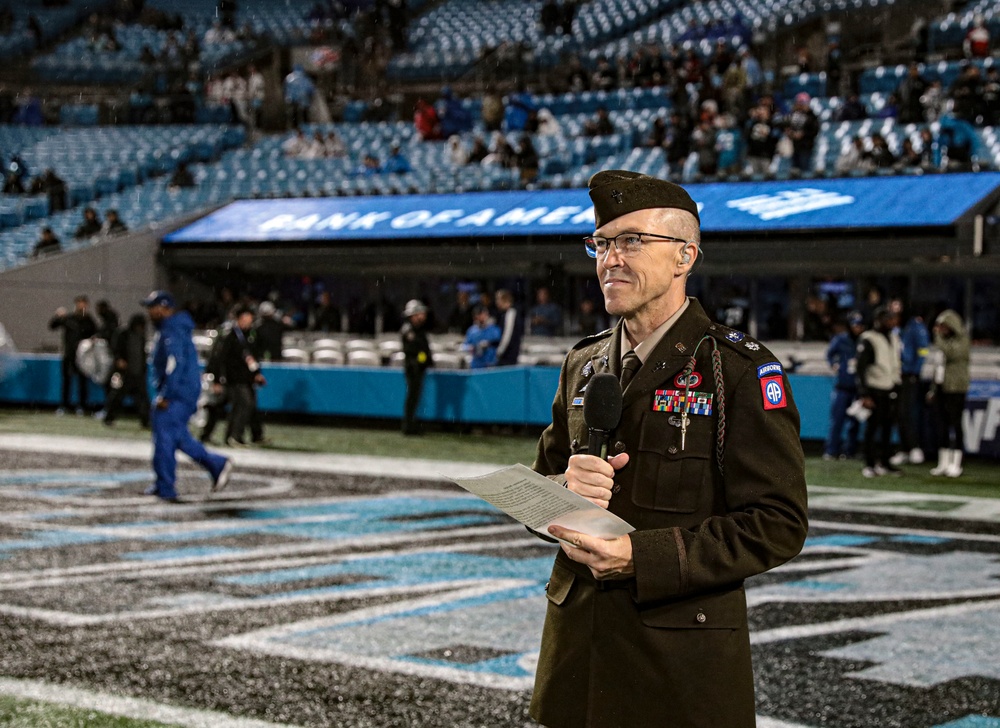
x,y
318,599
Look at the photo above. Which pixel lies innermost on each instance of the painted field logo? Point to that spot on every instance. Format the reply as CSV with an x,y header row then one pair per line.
x,y
789,202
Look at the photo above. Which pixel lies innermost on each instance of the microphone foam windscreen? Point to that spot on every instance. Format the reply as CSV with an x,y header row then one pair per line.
x,y
602,402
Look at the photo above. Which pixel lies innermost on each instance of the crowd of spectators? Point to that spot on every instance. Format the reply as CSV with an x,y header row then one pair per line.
x,y
318,146
725,118
91,226
18,180
882,384
310,305
242,90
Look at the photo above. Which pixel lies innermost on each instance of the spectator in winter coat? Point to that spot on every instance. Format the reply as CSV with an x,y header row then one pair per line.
x,y
949,389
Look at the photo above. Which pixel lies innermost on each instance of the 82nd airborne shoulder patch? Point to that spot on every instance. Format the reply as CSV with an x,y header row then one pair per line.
x,y
772,386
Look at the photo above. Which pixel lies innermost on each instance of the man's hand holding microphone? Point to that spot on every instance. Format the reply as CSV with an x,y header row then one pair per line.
x,y
592,476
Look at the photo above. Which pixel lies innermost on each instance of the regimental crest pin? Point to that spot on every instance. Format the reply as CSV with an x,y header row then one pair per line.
x,y
689,380
588,369
735,336
680,347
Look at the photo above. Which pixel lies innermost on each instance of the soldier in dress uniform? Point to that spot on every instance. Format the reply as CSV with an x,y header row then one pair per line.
x,y
706,464
417,359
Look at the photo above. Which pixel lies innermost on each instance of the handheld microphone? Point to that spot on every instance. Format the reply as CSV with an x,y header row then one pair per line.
x,y
602,409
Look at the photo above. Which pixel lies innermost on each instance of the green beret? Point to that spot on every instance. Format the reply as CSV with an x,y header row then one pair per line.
x,y
617,192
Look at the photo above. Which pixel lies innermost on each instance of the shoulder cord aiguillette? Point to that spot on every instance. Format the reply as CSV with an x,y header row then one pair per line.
x,y
720,396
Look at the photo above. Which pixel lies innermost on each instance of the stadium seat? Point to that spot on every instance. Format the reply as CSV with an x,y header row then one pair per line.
x,y
363,358
448,360
295,356
330,357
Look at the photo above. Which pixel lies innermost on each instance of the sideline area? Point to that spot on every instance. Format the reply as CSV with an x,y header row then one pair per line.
x,y
376,449
316,562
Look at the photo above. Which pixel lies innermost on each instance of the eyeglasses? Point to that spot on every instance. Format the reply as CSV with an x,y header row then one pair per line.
x,y
625,243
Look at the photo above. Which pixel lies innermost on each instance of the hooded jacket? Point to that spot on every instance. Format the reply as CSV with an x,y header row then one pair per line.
x,y
951,373
176,374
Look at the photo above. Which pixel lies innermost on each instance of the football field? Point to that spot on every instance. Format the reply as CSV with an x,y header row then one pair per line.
x,y
343,590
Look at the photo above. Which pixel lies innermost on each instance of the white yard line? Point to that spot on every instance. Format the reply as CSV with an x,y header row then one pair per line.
x,y
868,623
270,459
126,707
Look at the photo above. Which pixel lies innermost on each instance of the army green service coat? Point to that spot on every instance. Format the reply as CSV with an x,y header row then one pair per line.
x,y
670,648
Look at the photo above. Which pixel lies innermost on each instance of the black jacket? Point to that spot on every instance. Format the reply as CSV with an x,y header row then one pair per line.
x,y
236,357
75,329
130,347
265,339
416,348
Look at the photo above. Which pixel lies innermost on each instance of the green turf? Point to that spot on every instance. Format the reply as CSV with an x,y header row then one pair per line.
x,y
20,713
981,477
476,445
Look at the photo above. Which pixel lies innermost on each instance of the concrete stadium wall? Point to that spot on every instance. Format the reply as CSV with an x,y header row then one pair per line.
x,y
121,270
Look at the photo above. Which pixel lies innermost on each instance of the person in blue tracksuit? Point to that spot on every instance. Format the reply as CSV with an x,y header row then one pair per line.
x,y
481,339
842,354
177,384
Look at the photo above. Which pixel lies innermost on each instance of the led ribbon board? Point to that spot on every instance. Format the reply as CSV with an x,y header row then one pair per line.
x,y
794,205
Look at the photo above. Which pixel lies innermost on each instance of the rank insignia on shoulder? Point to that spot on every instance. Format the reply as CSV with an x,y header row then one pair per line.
x,y
736,336
773,391
752,345
690,380
675,400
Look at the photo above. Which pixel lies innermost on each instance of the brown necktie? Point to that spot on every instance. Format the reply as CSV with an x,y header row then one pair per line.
x,y
630,365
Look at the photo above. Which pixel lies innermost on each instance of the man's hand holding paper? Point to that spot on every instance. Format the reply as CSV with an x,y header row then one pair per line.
x,y
539,503
593,478
606,559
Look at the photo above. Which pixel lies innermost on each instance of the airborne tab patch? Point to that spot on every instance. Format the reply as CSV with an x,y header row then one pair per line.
x,y
674,400
769,370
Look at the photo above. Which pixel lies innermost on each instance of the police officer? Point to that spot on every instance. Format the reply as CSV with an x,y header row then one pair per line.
x,y
417,359
706,463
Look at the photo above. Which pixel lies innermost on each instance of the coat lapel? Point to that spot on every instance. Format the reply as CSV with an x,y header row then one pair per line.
x,y
670,355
